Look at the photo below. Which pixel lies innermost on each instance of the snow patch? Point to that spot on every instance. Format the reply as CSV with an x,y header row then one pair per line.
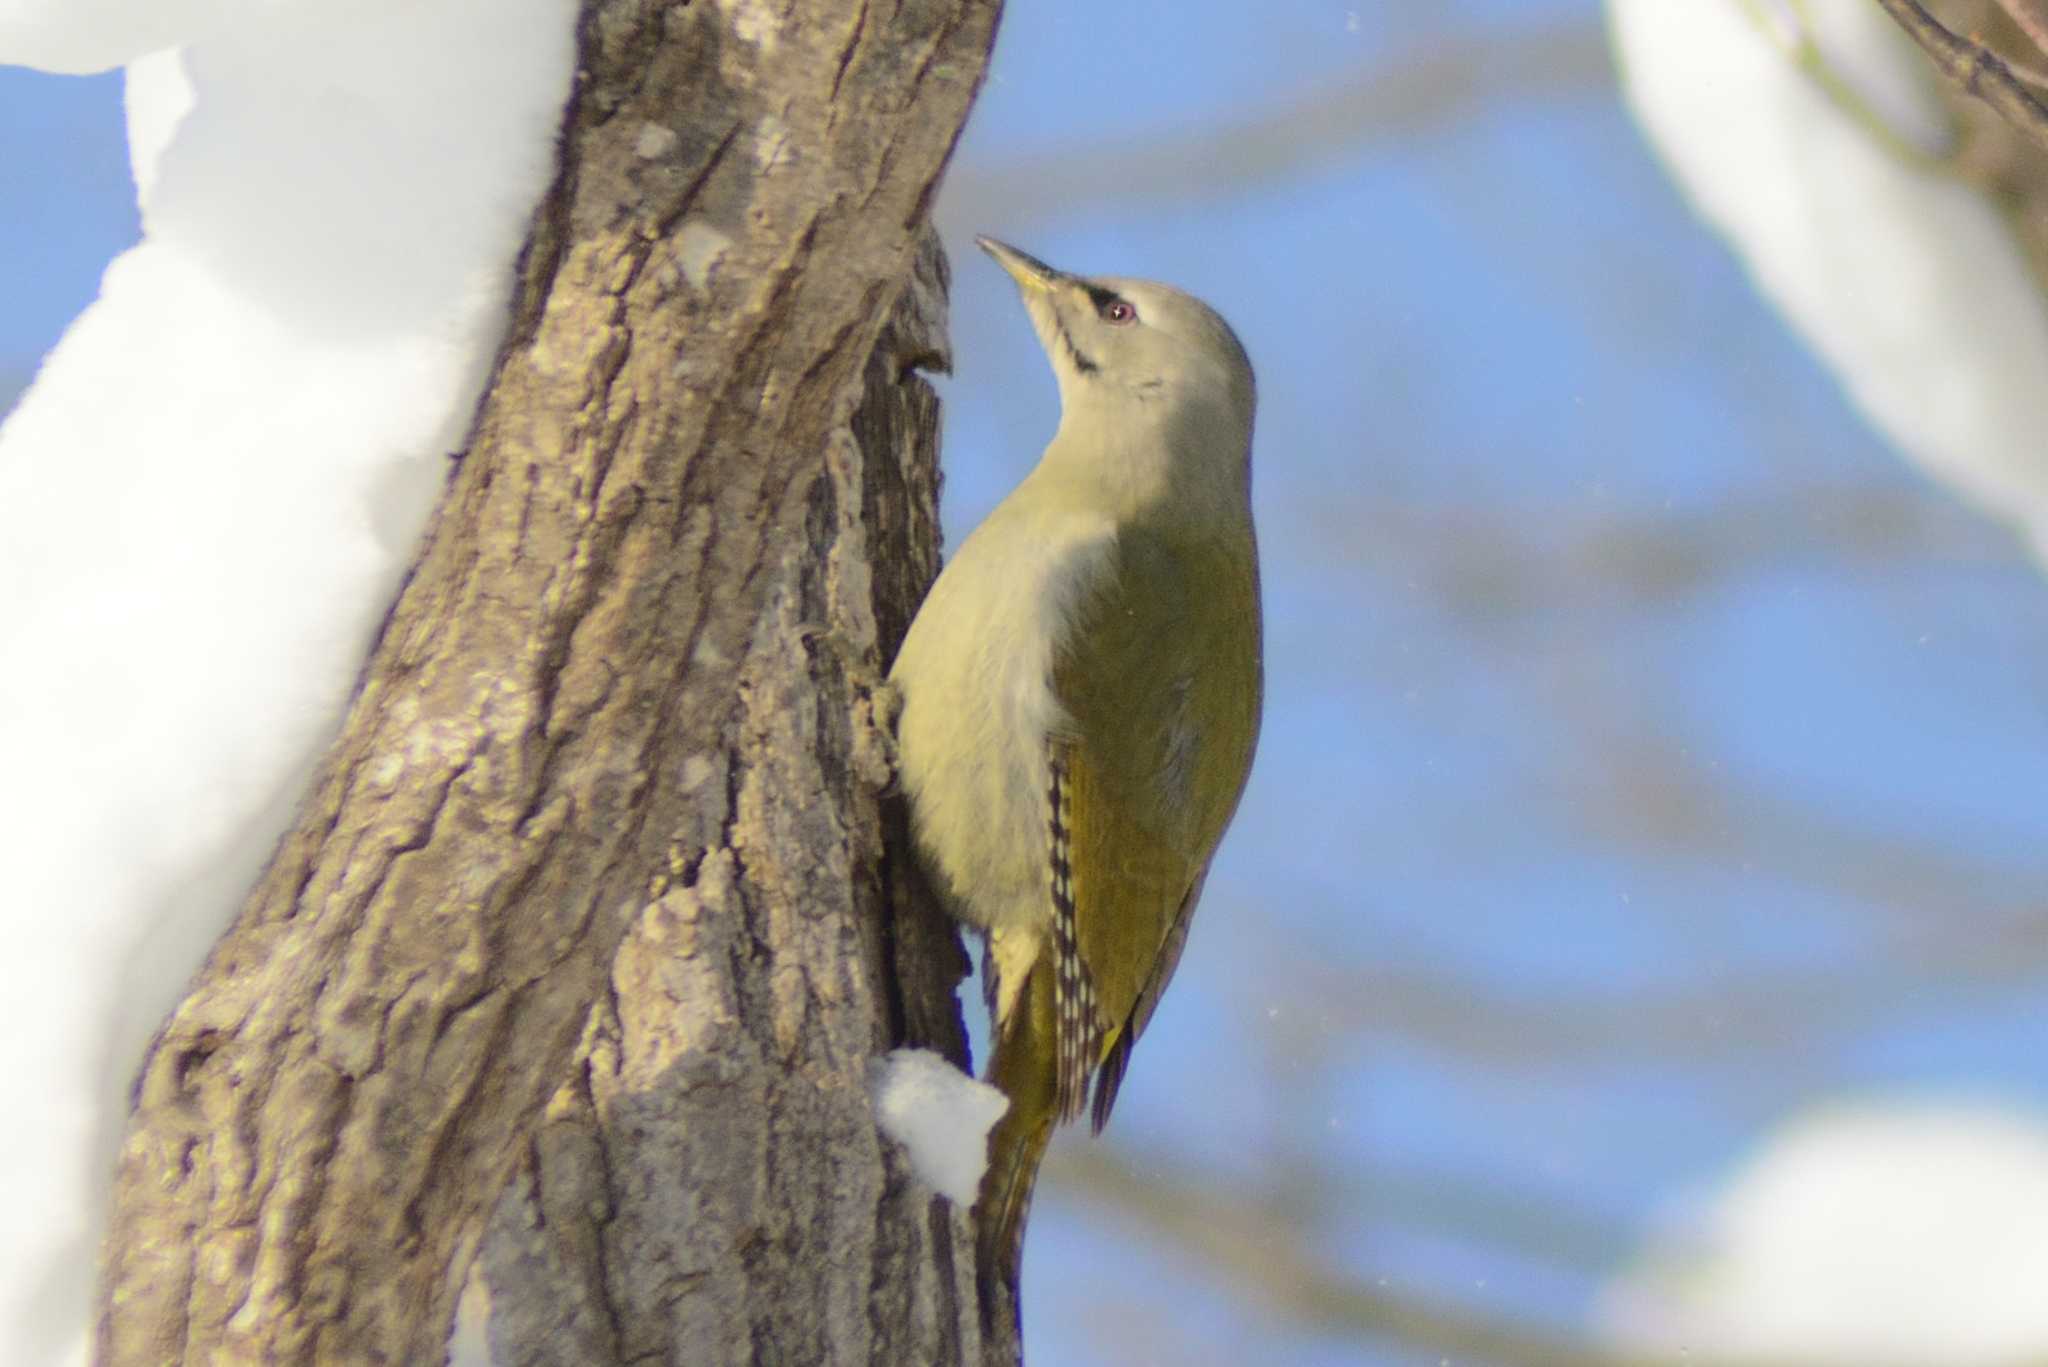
x,y
699,248
754,21
159,97
1906,283
939,1115
1886,1235
655,141
207,499
469,1340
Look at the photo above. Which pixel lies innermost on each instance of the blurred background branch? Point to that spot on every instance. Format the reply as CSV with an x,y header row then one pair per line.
x,y
1261,1247
1974,67
1437,78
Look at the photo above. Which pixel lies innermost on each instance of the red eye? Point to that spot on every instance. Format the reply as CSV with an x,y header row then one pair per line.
x,y
1119,311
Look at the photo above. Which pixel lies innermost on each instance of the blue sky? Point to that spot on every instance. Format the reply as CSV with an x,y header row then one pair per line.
x,y
1626,786
70,208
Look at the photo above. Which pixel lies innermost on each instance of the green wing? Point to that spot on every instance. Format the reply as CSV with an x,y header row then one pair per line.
x,y
1161,680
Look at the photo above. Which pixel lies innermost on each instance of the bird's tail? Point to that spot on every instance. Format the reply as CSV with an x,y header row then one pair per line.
x,y
1024,1067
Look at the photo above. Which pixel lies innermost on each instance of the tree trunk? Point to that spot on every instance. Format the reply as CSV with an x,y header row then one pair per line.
x,y
590,924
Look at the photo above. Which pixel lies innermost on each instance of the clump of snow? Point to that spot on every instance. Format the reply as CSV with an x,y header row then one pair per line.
x,y
699,247
1905,282
469,1339
207,499
79,36
159,96
939,1115
1909,1233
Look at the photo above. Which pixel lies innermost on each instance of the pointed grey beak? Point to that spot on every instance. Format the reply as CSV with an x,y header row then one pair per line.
x,y
1027,270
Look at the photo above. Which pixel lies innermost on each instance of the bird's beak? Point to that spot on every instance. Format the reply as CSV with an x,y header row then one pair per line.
x,y
1031,274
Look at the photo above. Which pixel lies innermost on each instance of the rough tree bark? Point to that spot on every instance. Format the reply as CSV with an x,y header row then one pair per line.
x,y
587,925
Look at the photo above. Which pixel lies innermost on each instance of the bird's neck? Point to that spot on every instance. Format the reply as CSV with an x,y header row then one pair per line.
x,y
1131,459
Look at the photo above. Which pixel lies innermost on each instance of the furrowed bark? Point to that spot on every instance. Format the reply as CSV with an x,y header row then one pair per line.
x,y
587,920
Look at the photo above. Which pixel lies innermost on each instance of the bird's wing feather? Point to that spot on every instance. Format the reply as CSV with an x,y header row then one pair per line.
x,y
1162,719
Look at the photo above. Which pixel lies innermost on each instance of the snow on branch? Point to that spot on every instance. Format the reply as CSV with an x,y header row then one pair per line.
x,y
1903,279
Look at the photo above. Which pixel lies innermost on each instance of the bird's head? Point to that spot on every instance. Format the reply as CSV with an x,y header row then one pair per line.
x,y
1135,352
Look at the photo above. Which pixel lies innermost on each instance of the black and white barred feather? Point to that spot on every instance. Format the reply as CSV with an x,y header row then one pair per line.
x,y
1077,1026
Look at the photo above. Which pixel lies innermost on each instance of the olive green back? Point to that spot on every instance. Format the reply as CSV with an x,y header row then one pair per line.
x,y
1162,681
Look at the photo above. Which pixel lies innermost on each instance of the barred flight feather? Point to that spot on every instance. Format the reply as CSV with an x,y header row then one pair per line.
x,y
1076,1031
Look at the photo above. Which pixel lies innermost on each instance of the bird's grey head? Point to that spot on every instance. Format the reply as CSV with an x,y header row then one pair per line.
x,y
1146,350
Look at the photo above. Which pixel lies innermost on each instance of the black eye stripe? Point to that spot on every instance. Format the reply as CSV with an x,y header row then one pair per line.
x,y
1102,298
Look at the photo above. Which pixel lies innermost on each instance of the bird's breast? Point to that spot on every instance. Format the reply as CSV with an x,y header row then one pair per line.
x,y
975,678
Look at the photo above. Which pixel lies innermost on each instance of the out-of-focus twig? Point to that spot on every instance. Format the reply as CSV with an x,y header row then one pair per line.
x,y
1975,68
1503,67
1270,1260
1492,563
1733,1024
1305,1188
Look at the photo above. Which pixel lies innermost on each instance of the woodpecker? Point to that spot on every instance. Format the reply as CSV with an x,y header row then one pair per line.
x,y
1080,698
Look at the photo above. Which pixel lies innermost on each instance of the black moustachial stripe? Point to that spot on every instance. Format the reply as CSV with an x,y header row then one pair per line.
x,y
1085,364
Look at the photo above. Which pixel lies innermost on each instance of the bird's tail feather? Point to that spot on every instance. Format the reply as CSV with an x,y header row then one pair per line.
x,y
1023,1066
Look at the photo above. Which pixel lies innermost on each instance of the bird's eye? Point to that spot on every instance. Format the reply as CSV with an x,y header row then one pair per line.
x,y
1118,311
